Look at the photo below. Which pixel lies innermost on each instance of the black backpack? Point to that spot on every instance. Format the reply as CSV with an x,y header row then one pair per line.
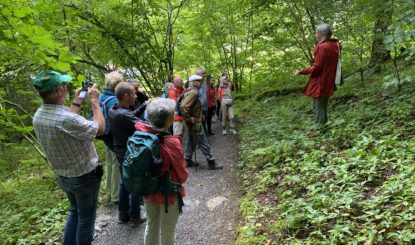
x,y
179,104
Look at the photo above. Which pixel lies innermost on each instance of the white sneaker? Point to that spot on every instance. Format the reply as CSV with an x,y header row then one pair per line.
x,y
232,131
224,132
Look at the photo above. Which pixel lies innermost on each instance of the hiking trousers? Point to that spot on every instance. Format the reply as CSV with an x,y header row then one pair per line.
x,y
193,138
161,226
227,112
320,109
113,174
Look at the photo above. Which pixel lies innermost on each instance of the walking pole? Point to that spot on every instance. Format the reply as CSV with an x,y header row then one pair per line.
x,y
194,143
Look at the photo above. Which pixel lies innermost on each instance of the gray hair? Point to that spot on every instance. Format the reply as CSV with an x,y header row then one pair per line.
x,y
324,29
123,88
134,81
159,111
112,79
199,71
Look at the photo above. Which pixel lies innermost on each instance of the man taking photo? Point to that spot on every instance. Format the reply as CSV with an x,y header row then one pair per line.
x,y
67,139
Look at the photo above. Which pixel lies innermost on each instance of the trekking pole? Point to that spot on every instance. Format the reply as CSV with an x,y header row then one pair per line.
x,y
194,144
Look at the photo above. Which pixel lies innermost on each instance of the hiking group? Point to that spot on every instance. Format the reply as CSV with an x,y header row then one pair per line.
x,y
149,143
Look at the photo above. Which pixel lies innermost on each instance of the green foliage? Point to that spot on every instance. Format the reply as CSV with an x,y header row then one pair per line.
x,y
350,182
401,41
28,217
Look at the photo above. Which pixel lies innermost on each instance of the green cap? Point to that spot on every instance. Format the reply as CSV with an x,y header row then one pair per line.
x,y
47,80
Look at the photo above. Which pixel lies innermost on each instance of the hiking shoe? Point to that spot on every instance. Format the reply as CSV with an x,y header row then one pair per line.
x,y
224,132
135,222
191,164
232,131
213,166
123,219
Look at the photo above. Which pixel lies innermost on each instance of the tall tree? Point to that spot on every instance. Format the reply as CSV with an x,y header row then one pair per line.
x,y
384,12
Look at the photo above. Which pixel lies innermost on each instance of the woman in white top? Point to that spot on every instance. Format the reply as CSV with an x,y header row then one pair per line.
x,y
225,97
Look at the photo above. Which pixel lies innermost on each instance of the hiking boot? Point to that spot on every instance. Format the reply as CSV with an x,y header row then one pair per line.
x,y
135,222
232,131
191,164
123,219
224,132
212,165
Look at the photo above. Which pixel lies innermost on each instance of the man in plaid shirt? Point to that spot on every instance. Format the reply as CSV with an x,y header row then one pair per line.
x,y
67,139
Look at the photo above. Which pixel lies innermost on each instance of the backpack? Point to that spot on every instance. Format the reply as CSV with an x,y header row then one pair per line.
x,y
107,132
141,169
179,104
339,80
180,101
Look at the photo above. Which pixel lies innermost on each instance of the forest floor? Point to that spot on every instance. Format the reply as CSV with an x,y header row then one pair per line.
x,y
210,214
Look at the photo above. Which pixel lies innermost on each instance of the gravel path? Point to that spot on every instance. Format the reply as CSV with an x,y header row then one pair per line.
x,y
211,209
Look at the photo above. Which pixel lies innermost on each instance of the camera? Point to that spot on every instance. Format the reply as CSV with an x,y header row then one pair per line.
x,y
87,83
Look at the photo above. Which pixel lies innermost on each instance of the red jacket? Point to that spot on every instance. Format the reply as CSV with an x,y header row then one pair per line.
x,y
174,93
211,96
323,70
171,152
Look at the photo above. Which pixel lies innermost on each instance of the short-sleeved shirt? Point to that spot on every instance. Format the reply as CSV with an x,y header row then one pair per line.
x,y
67,139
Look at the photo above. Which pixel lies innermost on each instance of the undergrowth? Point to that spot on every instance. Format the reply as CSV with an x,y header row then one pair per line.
x,y
33,208
350,182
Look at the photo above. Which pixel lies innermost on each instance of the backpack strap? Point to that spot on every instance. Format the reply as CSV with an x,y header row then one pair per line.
x,y
340,51
179,193
179,196
104,102
105,111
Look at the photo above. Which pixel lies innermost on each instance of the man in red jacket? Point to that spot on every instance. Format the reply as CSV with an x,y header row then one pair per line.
x,y
322,72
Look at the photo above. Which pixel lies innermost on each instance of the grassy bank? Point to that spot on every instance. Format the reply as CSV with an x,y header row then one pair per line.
x,y
351,182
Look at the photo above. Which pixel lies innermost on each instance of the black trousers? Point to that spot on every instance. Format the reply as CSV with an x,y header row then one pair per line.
x,y
210,113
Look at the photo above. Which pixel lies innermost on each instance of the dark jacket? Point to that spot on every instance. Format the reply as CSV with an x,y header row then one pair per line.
x,y
141,98
122,126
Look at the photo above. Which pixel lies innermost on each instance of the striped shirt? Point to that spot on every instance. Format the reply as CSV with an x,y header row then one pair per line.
x,y
67,139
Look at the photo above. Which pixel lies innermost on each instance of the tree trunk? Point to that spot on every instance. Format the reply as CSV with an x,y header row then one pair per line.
x,y
383,20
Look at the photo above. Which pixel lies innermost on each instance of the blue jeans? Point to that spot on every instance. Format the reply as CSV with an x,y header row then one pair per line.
x,y
129,204
82,193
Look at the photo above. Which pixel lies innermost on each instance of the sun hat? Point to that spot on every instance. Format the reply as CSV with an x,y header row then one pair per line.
x,y
47,80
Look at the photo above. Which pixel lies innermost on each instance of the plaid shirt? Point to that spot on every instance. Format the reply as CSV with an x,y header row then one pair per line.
x,y
67,139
